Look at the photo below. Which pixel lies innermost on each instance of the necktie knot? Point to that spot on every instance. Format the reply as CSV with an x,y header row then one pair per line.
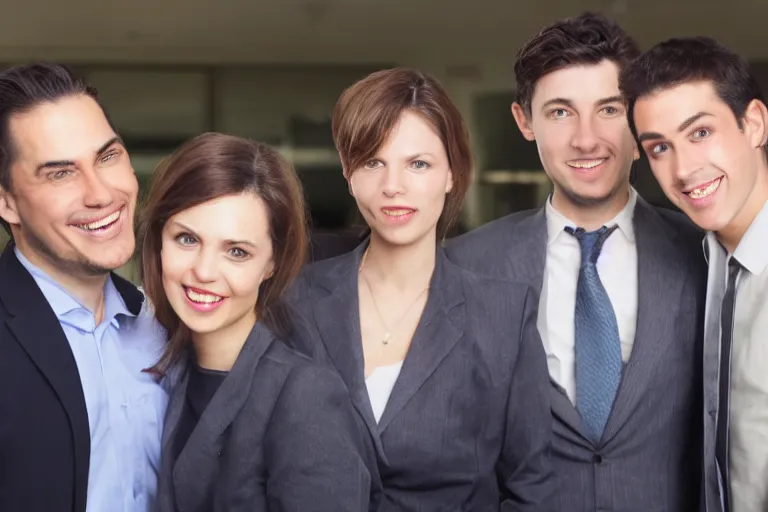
x,y
591,242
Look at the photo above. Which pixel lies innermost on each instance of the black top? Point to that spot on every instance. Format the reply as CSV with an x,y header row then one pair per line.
x,y
202,385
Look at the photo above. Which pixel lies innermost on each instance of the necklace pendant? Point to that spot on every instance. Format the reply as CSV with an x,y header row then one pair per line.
x,y
386,339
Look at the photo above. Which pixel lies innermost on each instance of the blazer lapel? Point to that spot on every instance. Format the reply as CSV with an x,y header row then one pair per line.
x,y
527,262
35,326
196,465
660,285
337,315
438,331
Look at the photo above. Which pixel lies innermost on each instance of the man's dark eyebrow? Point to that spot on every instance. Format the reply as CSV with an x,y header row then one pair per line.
x,y
56,164
688,122
557,101
611,99
683,126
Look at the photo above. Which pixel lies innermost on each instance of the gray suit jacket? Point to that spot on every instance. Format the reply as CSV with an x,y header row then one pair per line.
x,y
467,425
649,459
278,435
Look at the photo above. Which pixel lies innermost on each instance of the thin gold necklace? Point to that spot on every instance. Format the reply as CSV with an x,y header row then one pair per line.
x,y
388,330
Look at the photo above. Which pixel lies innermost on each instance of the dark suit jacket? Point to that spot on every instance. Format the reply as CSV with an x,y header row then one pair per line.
x,y
467,425
649,459
278,435
44,432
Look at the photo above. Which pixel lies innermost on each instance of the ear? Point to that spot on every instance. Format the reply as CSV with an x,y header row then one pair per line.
x,y
522,122
756,123
348,177
269,270
449,182
8,210
635,152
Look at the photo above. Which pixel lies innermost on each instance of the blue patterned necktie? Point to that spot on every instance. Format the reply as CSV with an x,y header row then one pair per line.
x,y
598,348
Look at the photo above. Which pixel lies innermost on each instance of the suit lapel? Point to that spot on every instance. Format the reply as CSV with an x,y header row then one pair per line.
x,y
197,462
438,331
660,285
527,262
35,326
337,315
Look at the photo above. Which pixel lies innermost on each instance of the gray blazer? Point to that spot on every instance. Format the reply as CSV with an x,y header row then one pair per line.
x,y
278,435
650,457
467,425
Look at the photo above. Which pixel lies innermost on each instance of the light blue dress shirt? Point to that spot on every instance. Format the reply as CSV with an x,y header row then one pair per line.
x,y
126,406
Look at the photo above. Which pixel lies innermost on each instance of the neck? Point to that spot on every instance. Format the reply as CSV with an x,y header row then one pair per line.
x,y
403,267
88,290
731,235
218,350
591,217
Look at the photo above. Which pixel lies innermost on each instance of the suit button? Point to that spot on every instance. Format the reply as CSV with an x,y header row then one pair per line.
x,y
597,458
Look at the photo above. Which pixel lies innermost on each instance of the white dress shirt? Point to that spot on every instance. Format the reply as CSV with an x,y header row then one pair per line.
x,y
617,268
748,422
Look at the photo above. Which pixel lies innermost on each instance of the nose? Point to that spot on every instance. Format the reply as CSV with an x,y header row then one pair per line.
x,y
585,139
393,181
95,192
205,267
686,164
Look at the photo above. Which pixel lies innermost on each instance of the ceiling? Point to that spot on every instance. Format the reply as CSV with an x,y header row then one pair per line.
x,y
342,30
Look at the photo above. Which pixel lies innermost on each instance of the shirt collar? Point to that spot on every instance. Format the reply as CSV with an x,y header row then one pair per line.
x,y
752,251
66,307
557,222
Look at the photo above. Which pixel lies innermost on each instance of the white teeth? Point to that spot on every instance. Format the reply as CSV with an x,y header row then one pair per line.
x,y
106,221
202,297
587,164
698,193
397,213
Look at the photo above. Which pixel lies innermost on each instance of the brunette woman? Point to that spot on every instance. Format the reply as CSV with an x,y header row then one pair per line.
x,y
252,425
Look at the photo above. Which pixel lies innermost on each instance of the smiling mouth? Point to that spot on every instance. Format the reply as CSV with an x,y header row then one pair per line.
x,y
707,189
199,297
586,164
102,224
396,213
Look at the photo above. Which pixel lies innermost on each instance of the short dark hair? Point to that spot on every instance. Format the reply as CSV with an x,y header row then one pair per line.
x,y
368,110
582,40
25,87
692,59
207,167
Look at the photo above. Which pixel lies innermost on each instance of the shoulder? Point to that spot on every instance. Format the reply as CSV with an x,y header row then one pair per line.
x,y
489,232
681,231
304,380
492,293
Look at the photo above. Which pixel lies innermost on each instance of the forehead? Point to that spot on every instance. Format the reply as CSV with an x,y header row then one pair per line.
x,y
664,111
578,84
233,217
70,128
412,134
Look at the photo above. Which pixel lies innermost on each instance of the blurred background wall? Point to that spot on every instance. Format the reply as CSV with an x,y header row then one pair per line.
x,y
272,71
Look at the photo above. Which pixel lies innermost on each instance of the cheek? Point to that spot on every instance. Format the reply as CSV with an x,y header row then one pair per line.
x,y
244,280
174,263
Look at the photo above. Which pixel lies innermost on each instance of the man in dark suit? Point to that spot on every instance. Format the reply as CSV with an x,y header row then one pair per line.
x,y
81,421
621,283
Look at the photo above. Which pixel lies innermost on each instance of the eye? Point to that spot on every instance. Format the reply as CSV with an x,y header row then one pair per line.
x,y
659,148
59,175
238,253
186,239
701,133
420,165
109,156
558,113
611,110
372,164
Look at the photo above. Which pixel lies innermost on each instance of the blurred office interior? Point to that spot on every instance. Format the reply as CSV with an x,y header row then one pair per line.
x,y
272,70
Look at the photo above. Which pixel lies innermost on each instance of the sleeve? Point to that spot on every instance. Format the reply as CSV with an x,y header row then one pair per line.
x,y
525,472
317,455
